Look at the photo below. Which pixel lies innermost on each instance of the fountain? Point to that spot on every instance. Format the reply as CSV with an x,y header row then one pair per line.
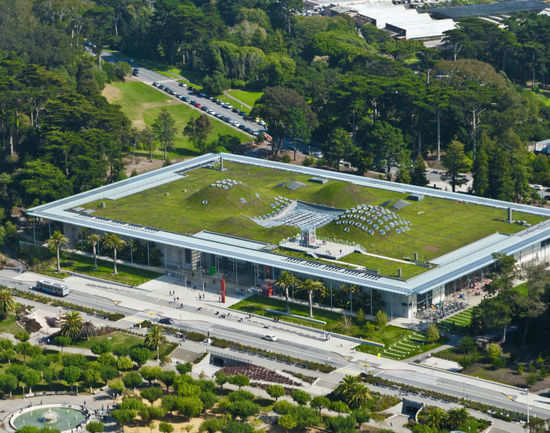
x,y
49,417
60,417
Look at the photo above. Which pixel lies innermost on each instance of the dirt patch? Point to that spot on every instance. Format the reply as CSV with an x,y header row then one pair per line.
x,y
111,93
431,248
141,165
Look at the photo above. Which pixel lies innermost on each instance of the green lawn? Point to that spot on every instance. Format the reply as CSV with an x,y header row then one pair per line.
x,y
234,103
334,321
522,289
122,342
249,98
142,104
438,226
457,324
84,265
9,325
384,267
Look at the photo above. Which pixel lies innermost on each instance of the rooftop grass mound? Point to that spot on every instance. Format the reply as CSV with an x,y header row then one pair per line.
x,y
191,204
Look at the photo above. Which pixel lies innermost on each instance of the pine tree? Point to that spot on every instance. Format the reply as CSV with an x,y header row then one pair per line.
x,y
456,163
418,174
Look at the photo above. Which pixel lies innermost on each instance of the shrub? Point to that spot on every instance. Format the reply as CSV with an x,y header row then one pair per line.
x,y
282,407
300,397
240,395
340,407
100,347
184,368
95,427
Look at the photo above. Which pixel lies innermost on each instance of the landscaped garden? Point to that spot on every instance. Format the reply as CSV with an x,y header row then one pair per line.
x,y
458,323
85,265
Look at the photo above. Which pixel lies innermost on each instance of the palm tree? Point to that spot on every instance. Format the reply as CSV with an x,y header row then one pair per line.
x,y
311,286
56,241
353,392
154,339
113,242
71,325
285,281
94,241
7,304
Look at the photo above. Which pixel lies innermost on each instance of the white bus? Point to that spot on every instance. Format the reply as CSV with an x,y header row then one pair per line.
x,y
52,288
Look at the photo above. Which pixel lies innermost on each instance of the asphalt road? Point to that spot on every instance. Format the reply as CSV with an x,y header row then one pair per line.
x,y
148,76
251,334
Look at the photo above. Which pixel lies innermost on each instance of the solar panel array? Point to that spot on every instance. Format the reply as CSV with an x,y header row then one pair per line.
x,y
225,183
279,204
323,266
372,220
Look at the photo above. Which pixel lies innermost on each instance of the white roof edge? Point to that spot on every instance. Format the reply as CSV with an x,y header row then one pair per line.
x,y
430,279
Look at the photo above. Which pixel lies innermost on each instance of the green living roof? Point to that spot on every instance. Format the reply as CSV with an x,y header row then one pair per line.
x,y
190,204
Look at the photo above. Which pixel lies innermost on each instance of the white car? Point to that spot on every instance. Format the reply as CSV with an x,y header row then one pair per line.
x,y
270,337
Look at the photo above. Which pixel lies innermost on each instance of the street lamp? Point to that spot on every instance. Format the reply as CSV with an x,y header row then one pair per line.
x,y
475,124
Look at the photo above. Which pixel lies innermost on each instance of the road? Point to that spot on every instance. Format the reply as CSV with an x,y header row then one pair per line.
x,y
149,77
139,305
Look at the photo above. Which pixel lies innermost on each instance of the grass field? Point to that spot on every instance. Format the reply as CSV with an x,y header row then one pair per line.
x,y
9,325
457,324
385,267
249,98
84,265
438,226
142,104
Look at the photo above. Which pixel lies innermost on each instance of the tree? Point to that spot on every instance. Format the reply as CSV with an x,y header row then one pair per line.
x,y
237,427
320,402
139,355
381,319
198,130
187,367
165,427
116,387
275,391
94,239
480,170
71,374
456,418
132,379
494,351
113,242
152,393
240,380
164,128
243,408
300,396
433,417
287,115
285,281
352,392
150,373
418,174
8,383
341,424
124,363
432,333
95,427
455,162
154,339
147,140
311,286
288,421
71,324
339,145
189,406
56,242
30,377
221,378
7,303
123,416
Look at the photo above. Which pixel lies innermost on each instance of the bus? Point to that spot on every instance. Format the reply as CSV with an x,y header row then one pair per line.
x,y
52,288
